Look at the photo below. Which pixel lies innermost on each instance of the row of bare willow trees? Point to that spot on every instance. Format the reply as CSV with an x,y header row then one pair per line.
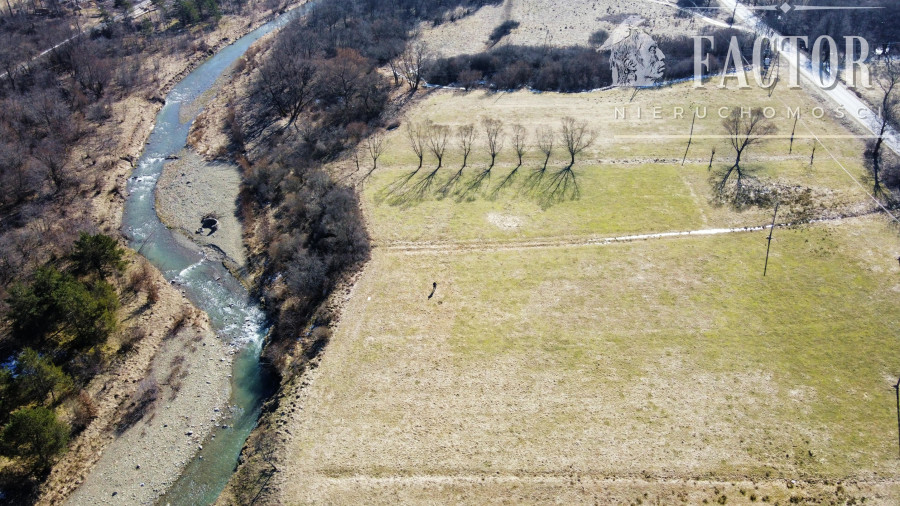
x,y
428,138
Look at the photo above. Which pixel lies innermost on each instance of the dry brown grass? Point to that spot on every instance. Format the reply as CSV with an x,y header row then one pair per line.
x,y
551,22
660,371
661,360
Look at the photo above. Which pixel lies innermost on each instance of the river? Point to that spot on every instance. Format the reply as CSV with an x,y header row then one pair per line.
x,y
207,283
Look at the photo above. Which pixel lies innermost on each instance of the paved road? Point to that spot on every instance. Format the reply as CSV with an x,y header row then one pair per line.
x,y
840,94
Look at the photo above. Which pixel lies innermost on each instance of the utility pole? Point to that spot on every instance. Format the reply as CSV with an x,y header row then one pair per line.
x,y
791,150
897,392
769,246
691,138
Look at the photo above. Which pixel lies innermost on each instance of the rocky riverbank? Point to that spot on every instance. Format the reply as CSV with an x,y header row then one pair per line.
x,y
192,190
188,368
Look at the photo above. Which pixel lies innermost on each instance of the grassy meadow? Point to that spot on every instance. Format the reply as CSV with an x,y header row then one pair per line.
x,y
670,364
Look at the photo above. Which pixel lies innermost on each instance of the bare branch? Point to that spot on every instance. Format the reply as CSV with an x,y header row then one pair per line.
x,y
465,138
743,131
413,63
415,134
493,128
520,141
576,136
438,135
375,147
546,140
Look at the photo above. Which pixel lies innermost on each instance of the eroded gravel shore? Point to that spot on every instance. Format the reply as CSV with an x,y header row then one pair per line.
x,y
190,189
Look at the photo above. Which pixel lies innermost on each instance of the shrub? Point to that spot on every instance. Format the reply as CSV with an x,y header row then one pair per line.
x,y
131,338
598,38
84,411
86,364
572,69
153,293
142,279
181,320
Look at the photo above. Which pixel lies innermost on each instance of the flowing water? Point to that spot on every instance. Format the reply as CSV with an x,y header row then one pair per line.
x,y
207,283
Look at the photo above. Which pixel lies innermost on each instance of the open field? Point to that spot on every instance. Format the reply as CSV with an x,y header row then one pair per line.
x,y
669,358
630,181
550,365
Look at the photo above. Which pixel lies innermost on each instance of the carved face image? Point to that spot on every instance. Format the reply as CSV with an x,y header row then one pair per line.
x,y
637,61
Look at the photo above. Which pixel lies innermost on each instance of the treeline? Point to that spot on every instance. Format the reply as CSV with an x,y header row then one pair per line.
x,y
572,69
59,320
315,94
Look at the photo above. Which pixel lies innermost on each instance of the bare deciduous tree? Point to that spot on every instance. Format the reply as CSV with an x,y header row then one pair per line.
x,y
465,139
436,138
90,70
546,140
577,137
374,147
520,145
743,131
54,157
415,134
288,82
10,59
888,78
520,142
438,135
413,63
493,128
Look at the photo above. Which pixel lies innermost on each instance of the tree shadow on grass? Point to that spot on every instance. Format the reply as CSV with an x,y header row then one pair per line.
x,y
563,186
452,184
395,188
546,187
473,187
408,195
531,186
507,181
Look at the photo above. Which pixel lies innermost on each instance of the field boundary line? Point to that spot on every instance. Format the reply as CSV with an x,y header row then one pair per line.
x,y
549,243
